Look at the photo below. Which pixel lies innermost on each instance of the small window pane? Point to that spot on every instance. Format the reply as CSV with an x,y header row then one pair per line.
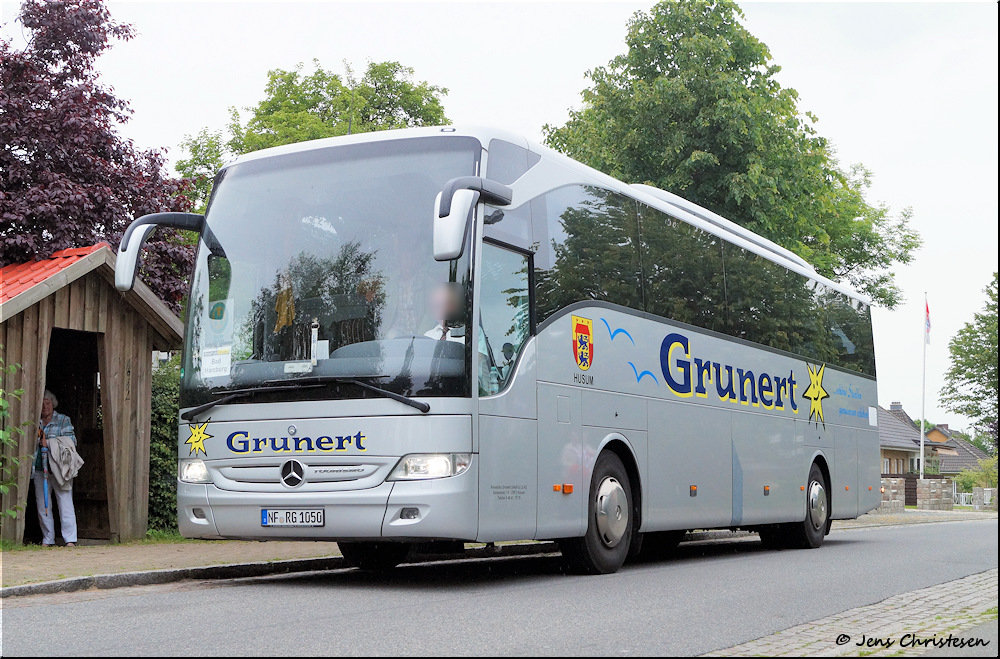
x,y
507,162
509,225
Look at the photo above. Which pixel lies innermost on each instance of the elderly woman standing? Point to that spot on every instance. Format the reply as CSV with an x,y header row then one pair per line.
x,y
53,424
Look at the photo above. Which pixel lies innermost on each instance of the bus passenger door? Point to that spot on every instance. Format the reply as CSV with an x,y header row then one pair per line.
x,y
508,429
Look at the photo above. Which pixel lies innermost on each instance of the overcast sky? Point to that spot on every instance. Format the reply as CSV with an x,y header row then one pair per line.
x,y
910,90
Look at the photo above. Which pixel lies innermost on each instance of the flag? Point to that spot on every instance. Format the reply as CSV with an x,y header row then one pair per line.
x,y
927,322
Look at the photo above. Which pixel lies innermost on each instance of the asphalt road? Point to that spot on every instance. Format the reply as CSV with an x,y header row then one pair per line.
x,y
712,595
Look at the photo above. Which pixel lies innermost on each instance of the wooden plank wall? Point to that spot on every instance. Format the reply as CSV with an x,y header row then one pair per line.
x,y
89,304
25,338
123,353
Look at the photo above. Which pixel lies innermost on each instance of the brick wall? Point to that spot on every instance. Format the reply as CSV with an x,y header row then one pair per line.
x,y
893,495
979,495
934,494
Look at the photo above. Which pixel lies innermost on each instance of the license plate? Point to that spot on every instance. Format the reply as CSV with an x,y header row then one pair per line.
x,y
292,517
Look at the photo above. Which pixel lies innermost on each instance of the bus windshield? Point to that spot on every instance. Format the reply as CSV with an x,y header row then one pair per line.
x,y
319,264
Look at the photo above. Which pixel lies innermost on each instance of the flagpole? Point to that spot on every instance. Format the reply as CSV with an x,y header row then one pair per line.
x,y
923,391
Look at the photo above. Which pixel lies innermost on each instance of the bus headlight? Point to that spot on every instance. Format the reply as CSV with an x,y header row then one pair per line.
x,y
193,471
423,466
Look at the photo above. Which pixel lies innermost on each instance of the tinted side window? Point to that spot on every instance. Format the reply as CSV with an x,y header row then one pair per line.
x,y
776,307
851,325
509,225
683,271
507,162
587,241
770,305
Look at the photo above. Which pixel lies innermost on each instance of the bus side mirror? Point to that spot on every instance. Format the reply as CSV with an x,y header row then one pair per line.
x,y
452,228
453,211
135,237
128,259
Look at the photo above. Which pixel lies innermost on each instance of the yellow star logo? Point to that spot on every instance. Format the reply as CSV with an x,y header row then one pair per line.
x,y
197,439
816,393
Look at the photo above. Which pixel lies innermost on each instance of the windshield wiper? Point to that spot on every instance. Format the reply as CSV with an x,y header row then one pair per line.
x,y
320,380
243,393
303,383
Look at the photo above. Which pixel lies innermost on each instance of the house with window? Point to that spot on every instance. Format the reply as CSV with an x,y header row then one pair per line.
x,y
899,442
947,453
962,454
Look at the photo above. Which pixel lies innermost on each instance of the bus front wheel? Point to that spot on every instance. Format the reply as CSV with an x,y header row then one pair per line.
x,y
374,555
610,522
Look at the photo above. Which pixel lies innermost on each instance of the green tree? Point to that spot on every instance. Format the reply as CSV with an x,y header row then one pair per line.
x,y
985,475
970,385
206,154
694,107
299,106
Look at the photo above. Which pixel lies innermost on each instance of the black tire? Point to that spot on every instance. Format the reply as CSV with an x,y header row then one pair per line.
x,y
773,537
604,551
375,556
635,550
660,545
809,533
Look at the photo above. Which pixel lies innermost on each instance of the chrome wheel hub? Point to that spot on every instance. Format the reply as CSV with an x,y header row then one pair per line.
x,y
612,512
817,505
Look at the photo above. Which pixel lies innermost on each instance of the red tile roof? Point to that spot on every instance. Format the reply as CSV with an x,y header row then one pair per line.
x,y
17,278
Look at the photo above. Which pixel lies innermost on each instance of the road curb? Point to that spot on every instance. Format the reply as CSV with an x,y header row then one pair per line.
x,y
246,570
155,577
260,569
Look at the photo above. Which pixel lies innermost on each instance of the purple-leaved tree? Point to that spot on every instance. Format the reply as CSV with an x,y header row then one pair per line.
x,y
67,177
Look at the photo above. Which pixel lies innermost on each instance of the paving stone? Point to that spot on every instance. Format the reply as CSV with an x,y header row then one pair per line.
x,y
929,613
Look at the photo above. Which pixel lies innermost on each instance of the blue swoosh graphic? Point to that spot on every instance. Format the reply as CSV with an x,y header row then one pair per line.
x,y
617,332
639,376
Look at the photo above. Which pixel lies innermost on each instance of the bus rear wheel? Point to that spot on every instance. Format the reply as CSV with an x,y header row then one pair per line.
x,y
610,522
809,533
375,556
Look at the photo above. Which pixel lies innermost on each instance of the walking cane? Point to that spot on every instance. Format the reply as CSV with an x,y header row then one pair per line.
x,y
45,477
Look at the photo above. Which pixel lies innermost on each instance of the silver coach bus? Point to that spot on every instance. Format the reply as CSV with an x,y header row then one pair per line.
x,y
439,334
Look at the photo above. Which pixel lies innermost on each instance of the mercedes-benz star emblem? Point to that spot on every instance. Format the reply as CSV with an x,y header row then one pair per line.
x,y
293,473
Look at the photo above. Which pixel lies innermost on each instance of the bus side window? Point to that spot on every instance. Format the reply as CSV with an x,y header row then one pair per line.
x,y
850,321
509,225
587,249
504,315
508,162
683,272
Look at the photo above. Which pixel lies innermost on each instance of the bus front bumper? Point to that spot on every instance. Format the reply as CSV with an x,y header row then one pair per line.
x,y
438,509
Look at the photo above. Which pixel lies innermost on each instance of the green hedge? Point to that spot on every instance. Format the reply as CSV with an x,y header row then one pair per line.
x,y
163,447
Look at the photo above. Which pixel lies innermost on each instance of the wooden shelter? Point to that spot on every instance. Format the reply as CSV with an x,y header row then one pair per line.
x,y
71,332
